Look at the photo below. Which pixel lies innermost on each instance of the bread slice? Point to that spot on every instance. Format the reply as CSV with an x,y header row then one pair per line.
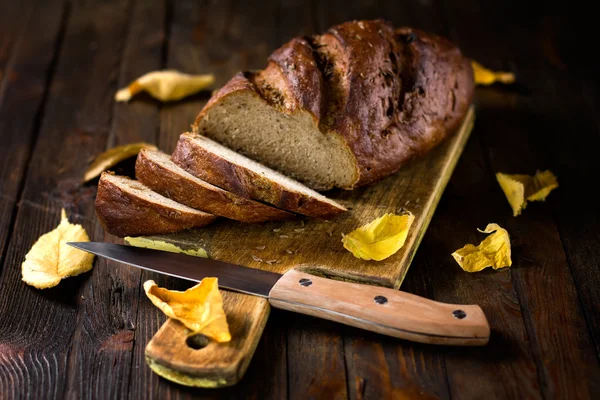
x,y
126,207
231,171
156,170
345,108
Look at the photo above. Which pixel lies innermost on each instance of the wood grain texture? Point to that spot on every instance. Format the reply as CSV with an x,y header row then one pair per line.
x,y
508,356
46,322
397,314
316,362
27,63
81,330
562,356
573,91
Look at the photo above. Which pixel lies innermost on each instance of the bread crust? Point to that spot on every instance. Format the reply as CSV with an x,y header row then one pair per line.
x,y
124,214
208,166
400,93
201,195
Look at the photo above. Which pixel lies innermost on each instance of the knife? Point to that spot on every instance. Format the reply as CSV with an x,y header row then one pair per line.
x,y
383,310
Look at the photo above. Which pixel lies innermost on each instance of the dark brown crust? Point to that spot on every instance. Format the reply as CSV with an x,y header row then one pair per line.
x,y
400,94
202,195
208,166
301,76
123,214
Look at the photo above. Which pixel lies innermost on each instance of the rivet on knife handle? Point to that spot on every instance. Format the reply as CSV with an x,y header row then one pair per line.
x,y
386,311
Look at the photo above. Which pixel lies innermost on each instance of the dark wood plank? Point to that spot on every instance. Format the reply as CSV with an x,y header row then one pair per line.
x,y
26,65
566,356
509,135
41,328
316,364
101,359
11,29
574,93
486,371
27,61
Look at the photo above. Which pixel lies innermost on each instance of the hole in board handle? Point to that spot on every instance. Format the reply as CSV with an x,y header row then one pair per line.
x,y
197,341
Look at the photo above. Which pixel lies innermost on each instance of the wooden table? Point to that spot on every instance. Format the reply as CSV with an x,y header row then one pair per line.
x,y
60,65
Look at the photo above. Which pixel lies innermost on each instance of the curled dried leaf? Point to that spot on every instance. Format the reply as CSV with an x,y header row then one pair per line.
x,y
484,76
52,259
200,308
380,238
112,157
493,251
166,85
156,244
519,189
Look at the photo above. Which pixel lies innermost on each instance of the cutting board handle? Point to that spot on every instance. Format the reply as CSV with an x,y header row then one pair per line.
x,y
381,310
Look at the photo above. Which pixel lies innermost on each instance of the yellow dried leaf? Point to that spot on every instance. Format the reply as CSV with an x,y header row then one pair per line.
x,y
156,244
200,308
166,85
51,259
493,251
519,189
112,157
484,76
380,238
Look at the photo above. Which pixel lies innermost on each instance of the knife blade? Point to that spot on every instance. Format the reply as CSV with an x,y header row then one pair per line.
x,y
233,277
373,308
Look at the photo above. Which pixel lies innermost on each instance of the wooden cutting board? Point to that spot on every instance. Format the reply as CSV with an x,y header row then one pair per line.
x,y
309,244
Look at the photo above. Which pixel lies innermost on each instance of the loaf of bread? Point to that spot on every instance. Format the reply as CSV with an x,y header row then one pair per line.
x,y
345,108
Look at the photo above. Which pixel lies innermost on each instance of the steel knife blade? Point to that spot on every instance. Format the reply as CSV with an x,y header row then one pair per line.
x,y
231,276
383,310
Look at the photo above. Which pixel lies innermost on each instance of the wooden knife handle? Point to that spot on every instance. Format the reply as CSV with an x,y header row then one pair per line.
x,y
381,310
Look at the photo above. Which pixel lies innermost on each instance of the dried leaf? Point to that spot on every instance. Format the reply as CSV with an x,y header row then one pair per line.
x,y
112,157
200,308
380,238
166,85
51,259
155,244
519,189
484,76
493,251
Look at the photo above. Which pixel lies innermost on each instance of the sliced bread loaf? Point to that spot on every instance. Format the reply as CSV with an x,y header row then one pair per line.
x,y
231,171
345,108
126,207
156,170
